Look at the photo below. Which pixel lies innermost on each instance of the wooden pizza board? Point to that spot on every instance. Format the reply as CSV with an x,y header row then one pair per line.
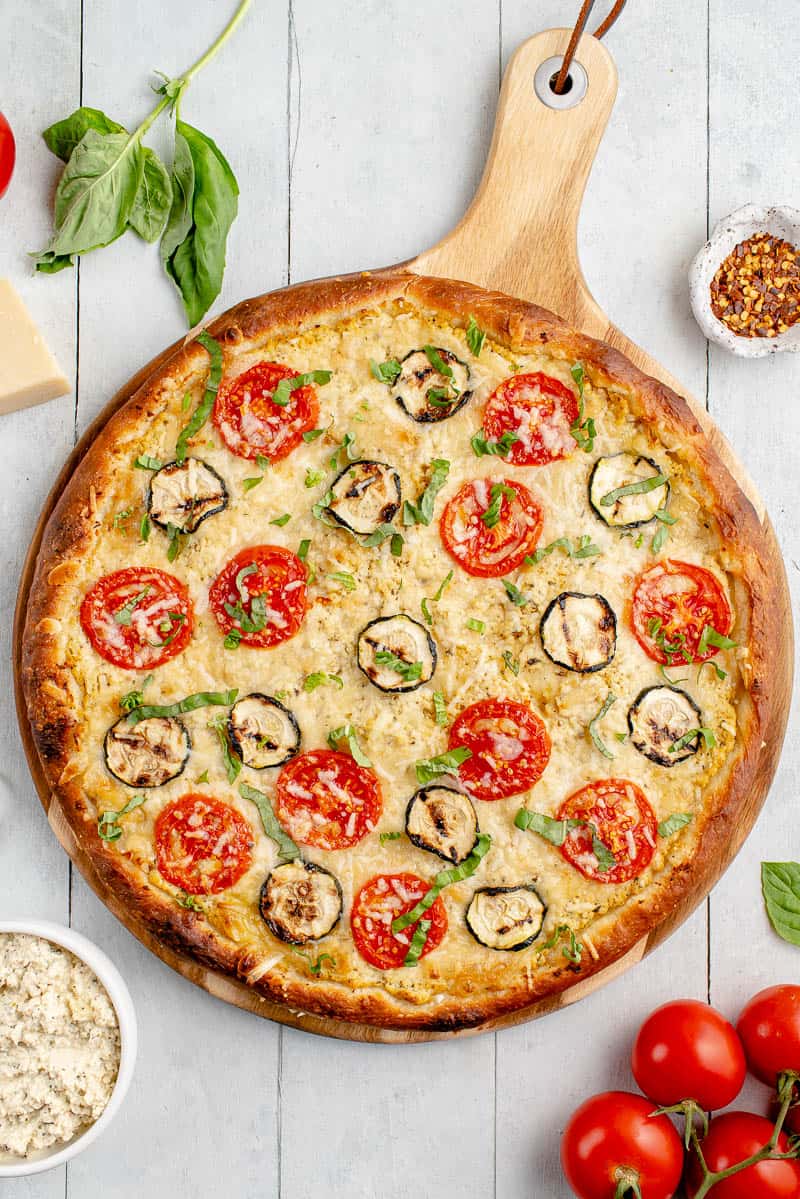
x,y
519,236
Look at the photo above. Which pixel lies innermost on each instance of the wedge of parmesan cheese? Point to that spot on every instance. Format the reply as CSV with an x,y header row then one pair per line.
x,y
29,374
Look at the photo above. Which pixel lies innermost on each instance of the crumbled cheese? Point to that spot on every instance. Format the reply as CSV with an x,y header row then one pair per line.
x,y
59,1045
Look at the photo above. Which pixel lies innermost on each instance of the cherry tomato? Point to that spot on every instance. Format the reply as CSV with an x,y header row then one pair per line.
x,y
617,813
687,1050
251,424
138,618
8,154
540,410
324,798
259,597
489,526
614,1137
672,603
378,903
202,844
733,1137
509,743
770,1030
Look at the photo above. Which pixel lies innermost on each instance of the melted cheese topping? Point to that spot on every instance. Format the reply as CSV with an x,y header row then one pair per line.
x,y
395,729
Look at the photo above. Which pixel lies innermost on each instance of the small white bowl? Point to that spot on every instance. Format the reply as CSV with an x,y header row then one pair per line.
x,y
780,222
120,998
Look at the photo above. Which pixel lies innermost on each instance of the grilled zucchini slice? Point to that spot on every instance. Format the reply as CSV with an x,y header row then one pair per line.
x,y
621,470
442,821
425,393
183,496
579,631
509,918
364,496
396,653
658,718
147,754
300,902
263,732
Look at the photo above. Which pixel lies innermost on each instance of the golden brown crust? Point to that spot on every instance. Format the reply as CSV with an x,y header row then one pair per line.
x,y
755,565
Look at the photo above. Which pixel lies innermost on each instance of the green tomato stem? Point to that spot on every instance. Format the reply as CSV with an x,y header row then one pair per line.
x,y
627,1180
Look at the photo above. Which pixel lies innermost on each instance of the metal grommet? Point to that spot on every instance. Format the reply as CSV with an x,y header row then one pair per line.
x,y
576,88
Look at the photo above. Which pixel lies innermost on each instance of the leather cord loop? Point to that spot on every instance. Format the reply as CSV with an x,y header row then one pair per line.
x,y
580,25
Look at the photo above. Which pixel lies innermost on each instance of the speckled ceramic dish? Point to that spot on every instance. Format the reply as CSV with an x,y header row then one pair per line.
x,y
781,222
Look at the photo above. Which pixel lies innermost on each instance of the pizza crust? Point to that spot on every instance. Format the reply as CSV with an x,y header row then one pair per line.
x,y
753,569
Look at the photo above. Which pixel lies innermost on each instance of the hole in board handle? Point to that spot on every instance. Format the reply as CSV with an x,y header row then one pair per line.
x,y
576,86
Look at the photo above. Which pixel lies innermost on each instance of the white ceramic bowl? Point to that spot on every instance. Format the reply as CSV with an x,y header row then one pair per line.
x,y
119,995
781,222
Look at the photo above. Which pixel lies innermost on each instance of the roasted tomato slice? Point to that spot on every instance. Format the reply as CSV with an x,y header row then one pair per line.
x,y
673,602
540,410
202,844
138,617
378,903
325,799
259,597
489,526
616,814
251,424
510,747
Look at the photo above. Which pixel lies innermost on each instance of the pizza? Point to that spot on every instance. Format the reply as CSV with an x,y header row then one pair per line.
x,y
402,653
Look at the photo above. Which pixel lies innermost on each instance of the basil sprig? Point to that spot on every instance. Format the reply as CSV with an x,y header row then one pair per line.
x,y
283,392
455,874
427,769
287,850
200,699
204,409
421,513
780,885
108,828
593,723
112,182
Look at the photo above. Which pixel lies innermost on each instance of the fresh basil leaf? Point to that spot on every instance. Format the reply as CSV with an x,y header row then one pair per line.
x,y
780,884
440,710
426,612
287,850
381,534
132,699
476,626
674,823
583,549
491,516
280,521
408,671
249,484
437,362
312,435
233,763
146,462
605,858
124,614
204,409
665,676
204,206
153,200
640,487
418,943
421,513
303,548
385,372
144,527
348,734
593,723
445,878
475,337
500,448
710,636
396,545
48,263
62,137
108,828
554,831
283,392
514,594
427,769
342,576
200,699
384,837
708,736
176,542
121,518
185,900
318,678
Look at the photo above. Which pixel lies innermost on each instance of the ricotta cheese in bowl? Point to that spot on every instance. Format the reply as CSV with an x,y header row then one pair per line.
x,y
67,1044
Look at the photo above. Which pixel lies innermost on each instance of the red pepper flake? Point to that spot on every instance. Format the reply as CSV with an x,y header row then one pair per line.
x,y
756,290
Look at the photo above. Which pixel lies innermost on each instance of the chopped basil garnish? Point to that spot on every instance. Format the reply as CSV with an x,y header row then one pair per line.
x,y
313,477
121,517
418,943
203,409
312,435
440,710
593,723
262,463
396,545
384,837
582,430
572,951
707,734
477,626
348,734
605,858
710,636
124,615
720,673
202,778
280,521
669,648
233,764
421,513
640,487
302,549
445,583
437,362
511,663
673,823
315,966
491,516
132,699
201,699
176,543
583,548
385,372
426,612
514,594
427,769
475,337
283,392
287,850
232,639
409,671
500,448
350,450
318,678
455,874
342,576
144,527
253,481
146,462
554,831
665,676
108,828
185,900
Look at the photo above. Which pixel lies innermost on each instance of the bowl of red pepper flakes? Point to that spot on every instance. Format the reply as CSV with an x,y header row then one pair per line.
x,y
745,282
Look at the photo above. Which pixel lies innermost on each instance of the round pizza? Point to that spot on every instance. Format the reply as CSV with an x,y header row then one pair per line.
x,y
402,653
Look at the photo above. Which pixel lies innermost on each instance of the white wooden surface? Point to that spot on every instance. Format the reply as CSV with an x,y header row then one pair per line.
x,y
357,130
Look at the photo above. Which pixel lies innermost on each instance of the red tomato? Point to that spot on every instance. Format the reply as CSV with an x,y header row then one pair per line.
x,y
276,579
8,154
202,844
324,798
493,549
540,410
685,599
138,618
614,1137
733,1137
250,423
687,1050
770,1030
621,818
510,747
378,903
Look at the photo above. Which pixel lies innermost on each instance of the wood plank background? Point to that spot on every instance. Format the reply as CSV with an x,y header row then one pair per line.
x,y
358,132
